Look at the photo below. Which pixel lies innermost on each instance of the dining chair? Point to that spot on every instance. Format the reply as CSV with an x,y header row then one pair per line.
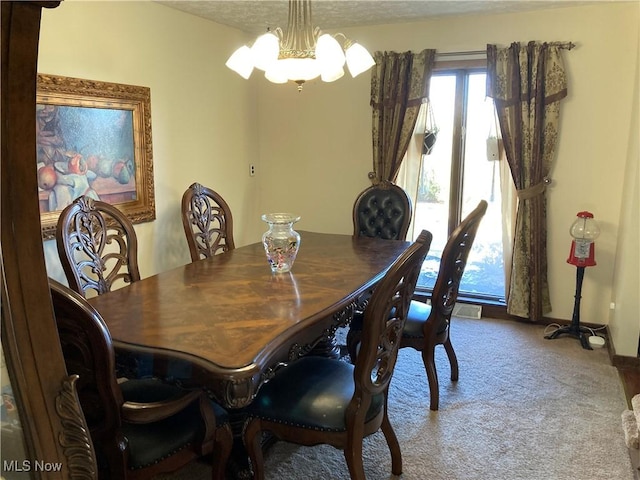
x,y
98,250
97,246
139,428
428,325
382,211
207,222
318,399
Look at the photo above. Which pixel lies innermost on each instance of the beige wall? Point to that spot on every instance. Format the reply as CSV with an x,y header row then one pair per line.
x,y
201,115
312,150
625,318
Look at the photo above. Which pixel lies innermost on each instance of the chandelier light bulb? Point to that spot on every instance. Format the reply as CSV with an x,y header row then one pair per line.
x,y
329,52
265,51
330,56
241,62
359,60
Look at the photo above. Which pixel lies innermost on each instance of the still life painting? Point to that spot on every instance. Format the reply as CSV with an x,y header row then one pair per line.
x,y
94,139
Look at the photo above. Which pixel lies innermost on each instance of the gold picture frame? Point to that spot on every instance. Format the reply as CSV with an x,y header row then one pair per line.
x,y
93,138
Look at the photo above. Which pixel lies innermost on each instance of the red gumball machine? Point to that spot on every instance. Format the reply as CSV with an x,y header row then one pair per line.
x,y
584,231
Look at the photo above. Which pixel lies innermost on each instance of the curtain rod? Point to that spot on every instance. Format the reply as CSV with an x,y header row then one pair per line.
x,y
564,45
457,54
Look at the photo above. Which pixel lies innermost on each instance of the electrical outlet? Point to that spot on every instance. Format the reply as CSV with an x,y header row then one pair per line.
x,y
252,170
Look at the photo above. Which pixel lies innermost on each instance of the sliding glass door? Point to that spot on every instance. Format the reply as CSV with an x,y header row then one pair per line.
x,y
461,170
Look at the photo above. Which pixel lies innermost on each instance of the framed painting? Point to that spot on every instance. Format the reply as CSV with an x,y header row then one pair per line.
x,y
93,138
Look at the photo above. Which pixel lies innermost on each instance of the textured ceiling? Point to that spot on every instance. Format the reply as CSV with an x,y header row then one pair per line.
x,y
254,16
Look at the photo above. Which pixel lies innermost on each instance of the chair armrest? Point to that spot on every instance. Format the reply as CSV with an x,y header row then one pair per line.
x,y
136,412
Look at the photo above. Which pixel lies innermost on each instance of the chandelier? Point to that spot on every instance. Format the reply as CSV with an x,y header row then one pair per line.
x,y
301,53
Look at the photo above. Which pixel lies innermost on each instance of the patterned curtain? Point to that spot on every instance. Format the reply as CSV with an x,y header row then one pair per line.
x,y
527,84
399,85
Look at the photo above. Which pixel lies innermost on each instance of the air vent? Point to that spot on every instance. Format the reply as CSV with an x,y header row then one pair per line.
x,y
465,310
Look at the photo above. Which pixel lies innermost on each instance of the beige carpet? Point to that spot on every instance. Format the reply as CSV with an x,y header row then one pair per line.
x,y
524,408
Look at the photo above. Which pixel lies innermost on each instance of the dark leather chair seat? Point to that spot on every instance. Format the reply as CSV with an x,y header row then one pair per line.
x,y
150,443
314,393
414,325
418,313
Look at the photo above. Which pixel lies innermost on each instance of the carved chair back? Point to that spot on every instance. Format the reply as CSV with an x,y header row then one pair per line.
x,y
207,222
384,319
452,265
382,211
97,246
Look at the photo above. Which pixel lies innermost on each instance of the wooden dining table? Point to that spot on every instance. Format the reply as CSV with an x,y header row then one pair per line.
x,y
234,322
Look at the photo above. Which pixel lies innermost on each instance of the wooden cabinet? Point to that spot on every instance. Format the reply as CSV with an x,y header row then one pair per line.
x,y
51,421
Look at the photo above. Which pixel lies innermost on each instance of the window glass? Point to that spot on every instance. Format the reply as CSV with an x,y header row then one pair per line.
x,y
461,170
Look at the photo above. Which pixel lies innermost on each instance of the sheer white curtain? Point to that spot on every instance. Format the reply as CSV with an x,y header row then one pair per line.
x,y
509,211
409,173
509,204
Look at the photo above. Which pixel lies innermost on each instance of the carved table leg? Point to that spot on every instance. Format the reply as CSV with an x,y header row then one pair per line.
x,y
326,345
